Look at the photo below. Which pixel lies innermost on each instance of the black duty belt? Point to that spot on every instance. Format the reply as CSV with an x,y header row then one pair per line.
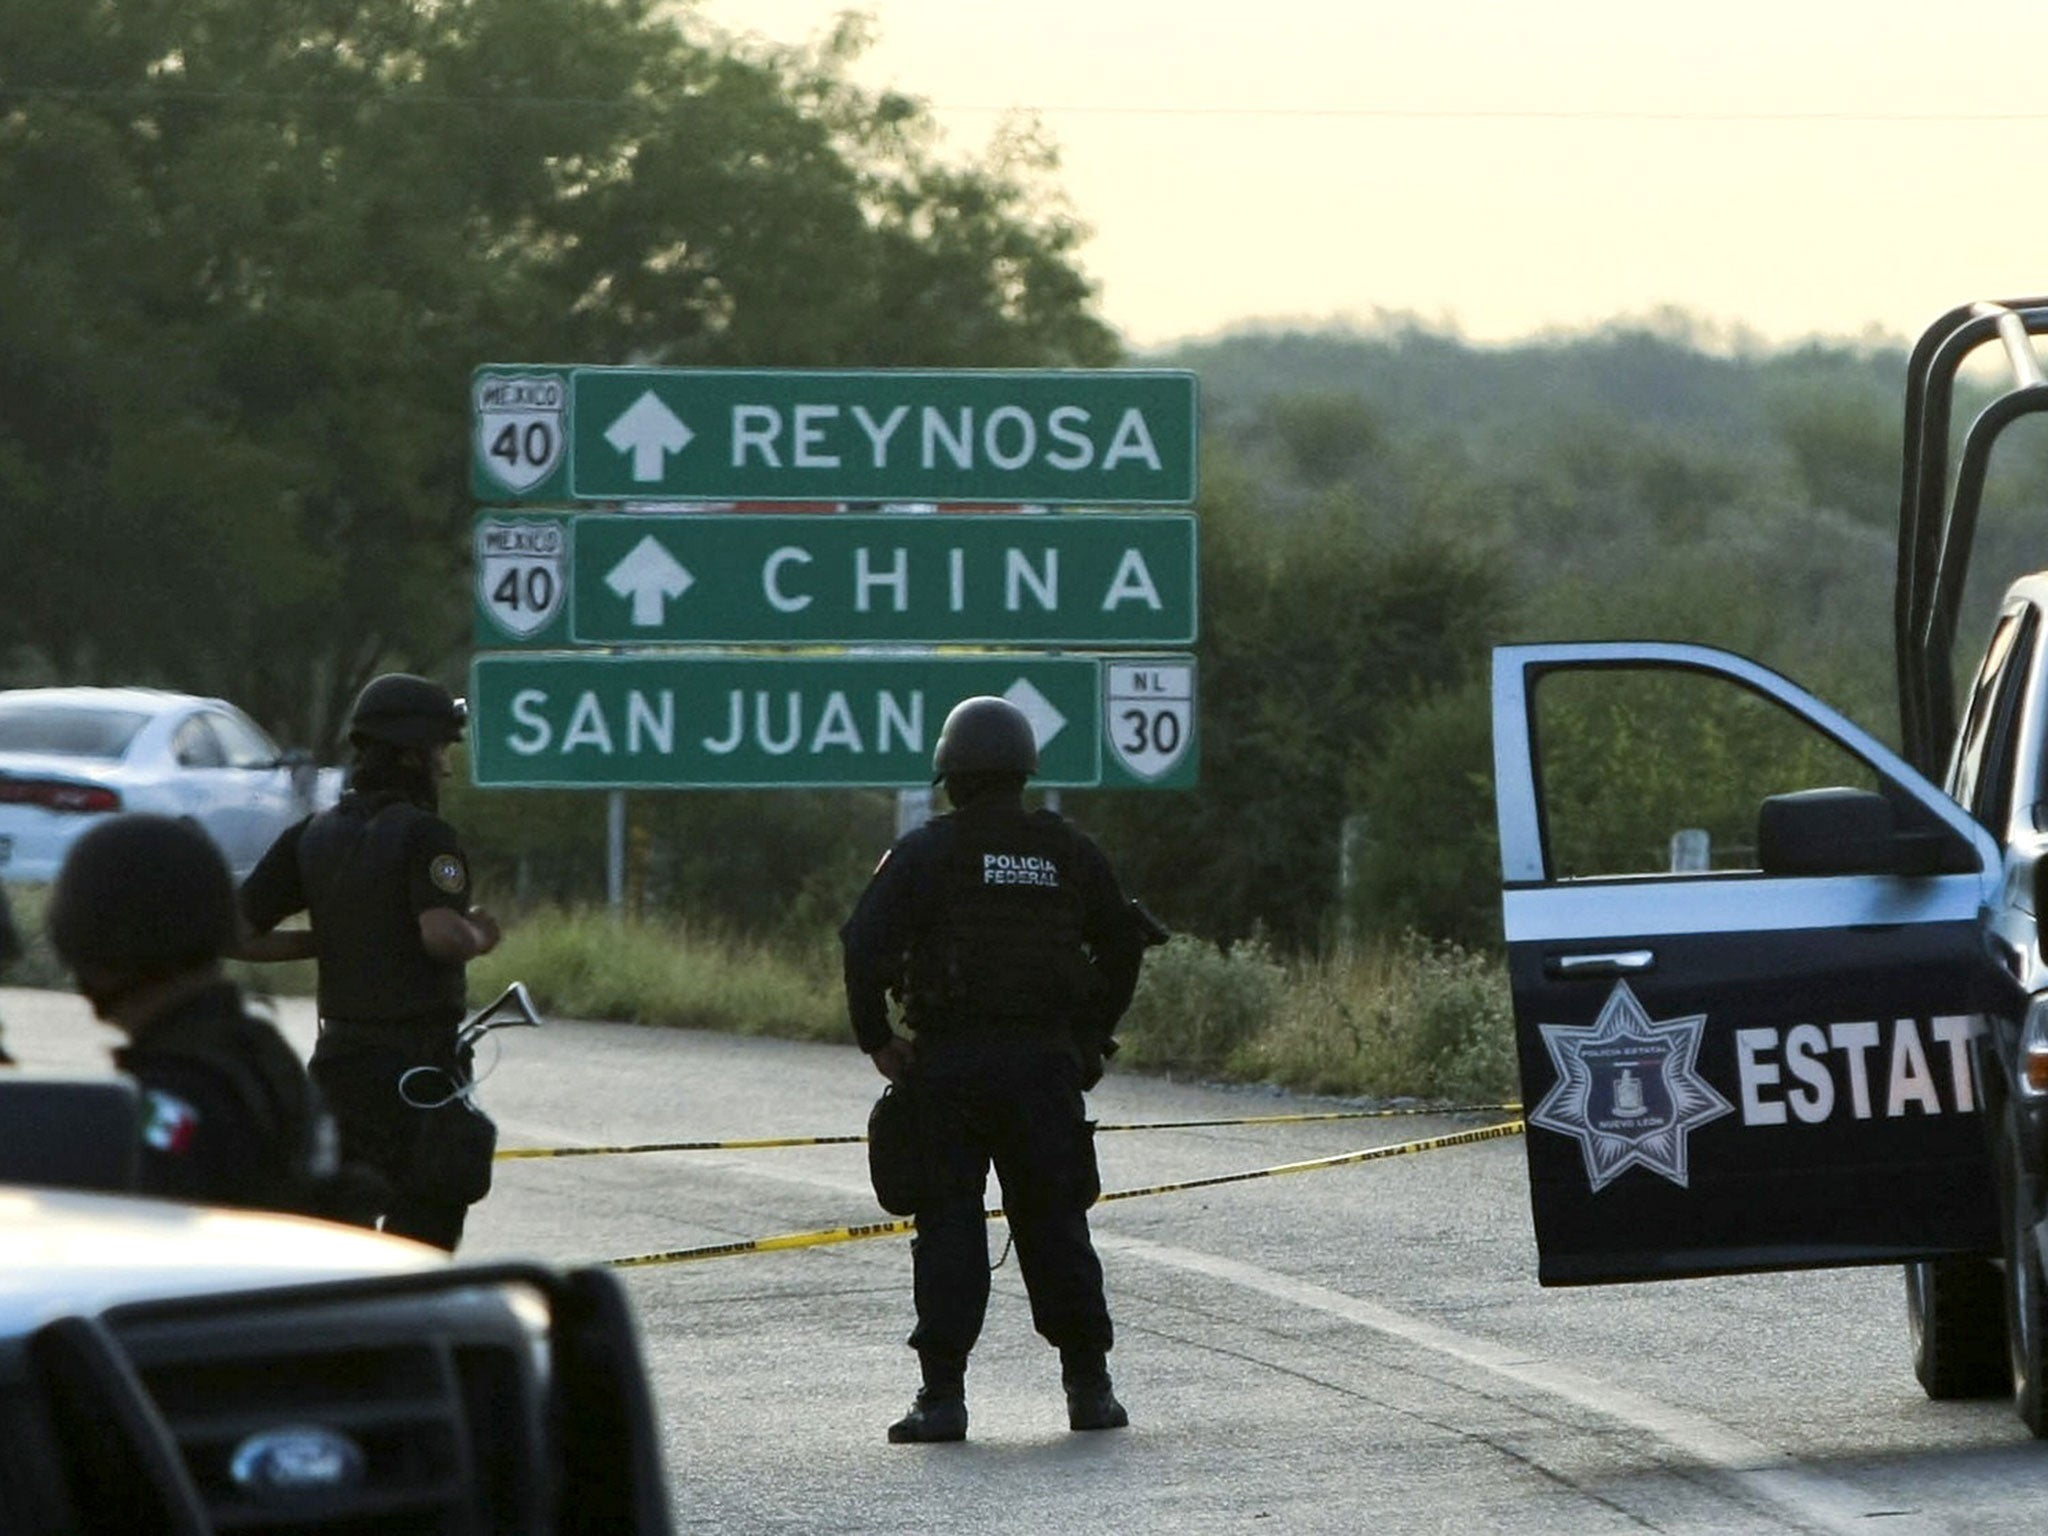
x,y
390,1034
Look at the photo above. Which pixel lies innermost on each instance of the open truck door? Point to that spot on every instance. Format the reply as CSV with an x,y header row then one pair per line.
x,y
1748,951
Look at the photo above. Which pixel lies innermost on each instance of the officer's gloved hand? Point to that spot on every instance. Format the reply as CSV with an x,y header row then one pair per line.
x,y
893,1060
354,1193
1092,1052
1092,1060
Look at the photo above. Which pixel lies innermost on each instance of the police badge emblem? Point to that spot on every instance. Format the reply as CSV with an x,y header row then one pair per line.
x,y
521,422
522,572
447,873
1629,1090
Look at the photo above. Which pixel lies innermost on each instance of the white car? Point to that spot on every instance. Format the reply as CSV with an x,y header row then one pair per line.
x,y
70,757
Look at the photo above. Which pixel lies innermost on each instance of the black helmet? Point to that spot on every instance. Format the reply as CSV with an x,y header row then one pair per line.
x,y
985,735
406,711
142,896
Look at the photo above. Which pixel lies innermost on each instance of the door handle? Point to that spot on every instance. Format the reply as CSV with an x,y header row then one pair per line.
x,y
1621,962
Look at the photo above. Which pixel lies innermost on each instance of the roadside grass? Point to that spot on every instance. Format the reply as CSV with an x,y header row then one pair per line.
x,y
587,964
1414,1018
1410,1019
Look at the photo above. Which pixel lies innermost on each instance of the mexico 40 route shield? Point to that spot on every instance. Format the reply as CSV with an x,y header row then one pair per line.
x,y
1105,437
1074,580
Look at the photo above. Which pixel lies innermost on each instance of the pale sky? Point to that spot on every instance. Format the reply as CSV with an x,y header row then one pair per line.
x,y
1792,167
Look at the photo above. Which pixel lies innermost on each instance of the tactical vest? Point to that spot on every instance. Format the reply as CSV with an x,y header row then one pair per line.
x,y
1000,941
373,969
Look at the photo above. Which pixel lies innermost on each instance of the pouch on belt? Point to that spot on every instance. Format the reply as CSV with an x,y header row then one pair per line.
x,y
896,1151
451,1152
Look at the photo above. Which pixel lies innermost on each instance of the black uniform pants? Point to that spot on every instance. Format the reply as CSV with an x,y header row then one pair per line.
x,y
1014,1102
358,1069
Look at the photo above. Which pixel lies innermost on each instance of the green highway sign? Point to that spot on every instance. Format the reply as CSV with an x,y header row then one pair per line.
x,y
1105,437
1065,579
712,720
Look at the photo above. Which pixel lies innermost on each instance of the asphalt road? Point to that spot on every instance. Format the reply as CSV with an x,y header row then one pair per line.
x,y
1354,1348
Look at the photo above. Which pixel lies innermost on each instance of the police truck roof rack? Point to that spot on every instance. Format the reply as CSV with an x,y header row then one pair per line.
x,y
1937,520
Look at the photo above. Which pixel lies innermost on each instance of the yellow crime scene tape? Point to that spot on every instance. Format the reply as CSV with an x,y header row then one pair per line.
x,y
827,1236
1406,1110
506,1154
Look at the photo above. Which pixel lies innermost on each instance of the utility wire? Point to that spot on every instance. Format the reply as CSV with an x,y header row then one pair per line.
x,y
1497,114
400,96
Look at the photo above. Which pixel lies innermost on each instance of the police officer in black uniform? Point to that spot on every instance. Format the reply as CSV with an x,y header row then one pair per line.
x,y
1015,953
385,883
142,912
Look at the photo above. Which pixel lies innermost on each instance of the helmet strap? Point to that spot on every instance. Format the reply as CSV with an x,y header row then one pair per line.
x,y
381,767
963,789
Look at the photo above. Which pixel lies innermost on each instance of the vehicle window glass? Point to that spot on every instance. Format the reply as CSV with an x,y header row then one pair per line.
x,y
68,732
1977,712
196,746
245,744
1646,771
1982,779
1993,801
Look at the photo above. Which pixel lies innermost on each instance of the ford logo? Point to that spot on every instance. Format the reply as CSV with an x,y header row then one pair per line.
x,y
296,1461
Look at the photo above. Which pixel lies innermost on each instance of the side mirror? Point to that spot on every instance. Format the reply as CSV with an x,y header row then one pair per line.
x,y
1849,832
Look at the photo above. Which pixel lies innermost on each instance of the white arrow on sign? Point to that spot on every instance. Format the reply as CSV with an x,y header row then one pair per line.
x,y
650,432
649,575
1046,721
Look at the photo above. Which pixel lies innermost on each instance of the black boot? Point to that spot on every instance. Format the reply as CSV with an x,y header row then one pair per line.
x,y
934,1416
940,1412
1091,1401
1092,1404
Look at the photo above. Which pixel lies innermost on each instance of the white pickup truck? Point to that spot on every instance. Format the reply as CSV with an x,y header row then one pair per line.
x,y
170,1370
1780,992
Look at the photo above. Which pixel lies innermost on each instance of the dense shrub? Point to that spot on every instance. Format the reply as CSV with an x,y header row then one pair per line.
x,y
1198,1007
1421,1018
1410,1018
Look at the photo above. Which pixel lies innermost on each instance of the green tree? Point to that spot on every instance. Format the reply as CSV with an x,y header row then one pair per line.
x,y
1315,634
1845,448
251,250
1426,857
1325,439
1627,484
